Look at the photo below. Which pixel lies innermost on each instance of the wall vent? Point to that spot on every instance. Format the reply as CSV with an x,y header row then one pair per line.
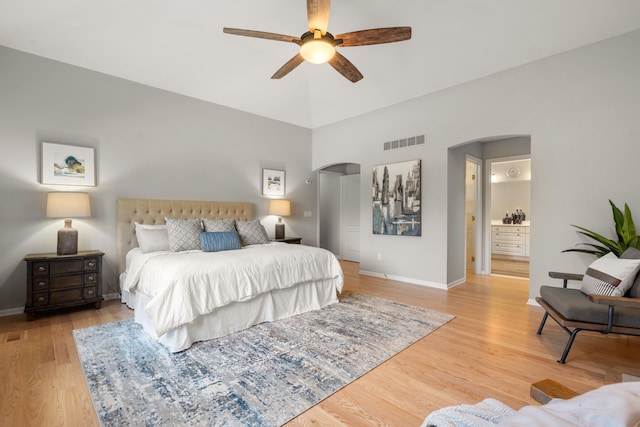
x,y
11,336
402,143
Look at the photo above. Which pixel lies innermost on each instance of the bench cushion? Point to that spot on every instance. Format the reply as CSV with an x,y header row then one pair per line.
x,y
574,305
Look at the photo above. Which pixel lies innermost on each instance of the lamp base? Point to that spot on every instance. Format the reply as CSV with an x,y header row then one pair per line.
x,y
67,239
279,230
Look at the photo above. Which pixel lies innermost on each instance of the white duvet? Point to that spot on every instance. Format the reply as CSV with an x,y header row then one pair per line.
x,y
185,285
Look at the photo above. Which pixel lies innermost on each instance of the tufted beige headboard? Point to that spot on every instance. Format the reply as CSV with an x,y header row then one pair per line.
x,y
148,211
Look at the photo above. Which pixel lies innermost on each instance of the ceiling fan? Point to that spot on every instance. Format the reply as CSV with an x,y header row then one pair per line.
x,y
319,46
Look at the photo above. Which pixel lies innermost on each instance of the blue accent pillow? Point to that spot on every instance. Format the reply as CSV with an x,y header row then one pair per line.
x,y
216,241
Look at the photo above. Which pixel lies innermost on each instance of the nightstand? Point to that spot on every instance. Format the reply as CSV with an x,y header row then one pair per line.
x,y
57,281
291,240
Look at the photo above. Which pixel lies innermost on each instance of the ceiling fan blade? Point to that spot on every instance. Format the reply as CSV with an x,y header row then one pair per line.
x,y
318,15
288,67
261,35
375,36
345,67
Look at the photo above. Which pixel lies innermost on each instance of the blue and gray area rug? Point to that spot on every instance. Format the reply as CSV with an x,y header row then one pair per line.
x,y
262,376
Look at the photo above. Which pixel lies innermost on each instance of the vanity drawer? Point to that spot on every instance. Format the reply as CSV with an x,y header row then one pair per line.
x,y
510,229
509,237
509,249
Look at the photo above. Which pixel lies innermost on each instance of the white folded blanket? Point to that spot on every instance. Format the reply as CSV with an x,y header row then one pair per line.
x,y
611,405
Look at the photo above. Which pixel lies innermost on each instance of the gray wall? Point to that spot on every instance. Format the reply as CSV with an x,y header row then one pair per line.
x,y
149,143
509,196
580,109
329,211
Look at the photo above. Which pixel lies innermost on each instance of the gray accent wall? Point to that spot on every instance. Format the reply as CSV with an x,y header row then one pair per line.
x,y
580,110
149,143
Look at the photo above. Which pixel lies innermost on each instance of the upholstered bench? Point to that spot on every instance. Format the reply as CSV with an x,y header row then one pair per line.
x,y
576,311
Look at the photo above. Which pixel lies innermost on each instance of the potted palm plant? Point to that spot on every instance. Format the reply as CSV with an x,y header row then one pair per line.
x,y
625,231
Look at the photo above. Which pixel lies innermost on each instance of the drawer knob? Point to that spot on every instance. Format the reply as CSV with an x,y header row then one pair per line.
x,y
40,299
91,278
41,268
41,284
90,292
92,264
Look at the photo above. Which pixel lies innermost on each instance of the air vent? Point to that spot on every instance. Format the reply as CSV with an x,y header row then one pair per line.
x,y
405,142
11,336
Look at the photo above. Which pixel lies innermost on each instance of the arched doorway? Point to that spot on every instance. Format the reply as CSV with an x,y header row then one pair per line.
x,y
482,149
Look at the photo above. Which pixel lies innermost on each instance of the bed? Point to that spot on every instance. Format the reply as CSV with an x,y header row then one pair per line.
x,y
181,297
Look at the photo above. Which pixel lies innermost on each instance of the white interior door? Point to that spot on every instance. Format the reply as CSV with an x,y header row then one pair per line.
x,y
350,217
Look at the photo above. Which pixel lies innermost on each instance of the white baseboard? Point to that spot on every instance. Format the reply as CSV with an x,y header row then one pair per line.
x,y
20,310
533,302
11,311
406,280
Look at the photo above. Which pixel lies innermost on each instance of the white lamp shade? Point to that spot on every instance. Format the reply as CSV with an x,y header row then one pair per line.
x,y
280,207
68,205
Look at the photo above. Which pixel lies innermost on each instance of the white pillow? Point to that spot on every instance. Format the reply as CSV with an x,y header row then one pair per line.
x,y
610,275
152,238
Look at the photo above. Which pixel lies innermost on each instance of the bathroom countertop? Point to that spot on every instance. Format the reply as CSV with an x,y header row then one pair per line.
x,y
499,222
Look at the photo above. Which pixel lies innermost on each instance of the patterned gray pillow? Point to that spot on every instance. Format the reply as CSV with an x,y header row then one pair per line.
x,y
219,224
184,234
252,232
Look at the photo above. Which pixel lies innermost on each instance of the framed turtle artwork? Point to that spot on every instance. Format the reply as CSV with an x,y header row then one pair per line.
x,y
67,165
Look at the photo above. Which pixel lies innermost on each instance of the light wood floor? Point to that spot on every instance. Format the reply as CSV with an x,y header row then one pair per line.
x,y
489,350
510,265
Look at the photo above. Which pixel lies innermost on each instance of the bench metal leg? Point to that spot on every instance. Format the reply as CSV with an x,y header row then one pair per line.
x,y
569,344
544,319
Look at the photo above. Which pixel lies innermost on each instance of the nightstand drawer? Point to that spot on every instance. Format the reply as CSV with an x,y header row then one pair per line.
x,y
40,299
90,292
90,279
66,266
40,269
91,264
68,281
68,295
40,284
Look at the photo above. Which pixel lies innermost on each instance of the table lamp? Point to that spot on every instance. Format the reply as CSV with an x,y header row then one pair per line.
x,y
68,205
281,208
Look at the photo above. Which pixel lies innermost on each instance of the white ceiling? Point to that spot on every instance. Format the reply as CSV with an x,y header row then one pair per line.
x,y
178,45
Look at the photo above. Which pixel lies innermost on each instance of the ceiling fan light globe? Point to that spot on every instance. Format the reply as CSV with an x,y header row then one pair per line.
x,y
317,51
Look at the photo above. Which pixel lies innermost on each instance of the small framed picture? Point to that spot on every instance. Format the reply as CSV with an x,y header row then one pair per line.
x,y
273,182
67,165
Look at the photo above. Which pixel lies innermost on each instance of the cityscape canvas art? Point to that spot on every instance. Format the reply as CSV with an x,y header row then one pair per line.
x,y
396,199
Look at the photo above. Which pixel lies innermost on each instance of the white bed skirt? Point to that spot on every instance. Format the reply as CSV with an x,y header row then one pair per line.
x,y
266,307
